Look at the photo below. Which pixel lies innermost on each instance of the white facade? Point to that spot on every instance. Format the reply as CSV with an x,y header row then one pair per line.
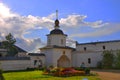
x,y
40,60
32,60
59,40
53,55
7,65
93,52
56,52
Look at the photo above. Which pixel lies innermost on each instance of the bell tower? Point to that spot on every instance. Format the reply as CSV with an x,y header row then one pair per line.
x,y
56,36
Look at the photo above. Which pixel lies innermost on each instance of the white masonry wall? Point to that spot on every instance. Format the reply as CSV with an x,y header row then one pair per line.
x,y
33,58
58,53
6,65
93,51
59,40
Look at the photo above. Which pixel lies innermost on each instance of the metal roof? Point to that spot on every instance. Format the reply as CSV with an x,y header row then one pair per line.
x,y
36,54
14,58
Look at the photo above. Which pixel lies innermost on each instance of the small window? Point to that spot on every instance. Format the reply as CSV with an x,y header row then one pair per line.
x,y
63,52
49,41
61,41
0,55
85,48
104,47
89,60
35,61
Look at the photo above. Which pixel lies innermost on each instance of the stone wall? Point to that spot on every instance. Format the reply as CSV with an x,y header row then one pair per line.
x,y
7,65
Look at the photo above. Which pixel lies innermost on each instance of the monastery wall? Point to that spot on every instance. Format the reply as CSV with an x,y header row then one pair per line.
x,y
6,65
92,52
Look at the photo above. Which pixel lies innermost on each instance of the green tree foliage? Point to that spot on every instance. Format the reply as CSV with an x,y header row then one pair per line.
x,y
117,60
108,59
9,45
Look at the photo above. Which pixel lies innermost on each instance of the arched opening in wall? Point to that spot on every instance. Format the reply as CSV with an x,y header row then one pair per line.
x,y
63,61
35,62
38,63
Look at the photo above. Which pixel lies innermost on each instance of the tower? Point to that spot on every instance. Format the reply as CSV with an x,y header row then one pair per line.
x,y
56,51
56,36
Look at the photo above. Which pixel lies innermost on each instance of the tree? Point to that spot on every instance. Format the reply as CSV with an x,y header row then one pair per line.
x,y
108,59
117,60
9,45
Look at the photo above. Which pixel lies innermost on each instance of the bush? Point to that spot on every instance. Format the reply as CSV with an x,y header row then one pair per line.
x,y
99,65
1,76
108,58
87,70
64,72
79,69
117,60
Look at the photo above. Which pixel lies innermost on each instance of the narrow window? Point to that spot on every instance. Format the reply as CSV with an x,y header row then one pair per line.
x,y
85,48
0,55
49,41
104,47
63,52
61,41
89,60
35,61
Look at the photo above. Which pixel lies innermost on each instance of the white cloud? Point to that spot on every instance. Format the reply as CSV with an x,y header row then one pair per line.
x,y
18,25
78,21
31,45
106,30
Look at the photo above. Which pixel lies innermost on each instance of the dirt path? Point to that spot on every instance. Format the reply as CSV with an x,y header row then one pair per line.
x,y
108,74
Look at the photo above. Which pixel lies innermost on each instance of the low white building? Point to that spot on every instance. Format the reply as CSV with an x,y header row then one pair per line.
x,y
21,61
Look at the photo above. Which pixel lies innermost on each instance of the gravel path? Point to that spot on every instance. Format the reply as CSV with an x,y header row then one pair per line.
x,y
108,74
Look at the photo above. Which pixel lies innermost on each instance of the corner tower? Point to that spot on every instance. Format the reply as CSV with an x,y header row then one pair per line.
x,y
56,36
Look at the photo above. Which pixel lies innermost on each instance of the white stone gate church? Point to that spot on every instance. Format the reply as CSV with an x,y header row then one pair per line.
x,y
56,52
59,55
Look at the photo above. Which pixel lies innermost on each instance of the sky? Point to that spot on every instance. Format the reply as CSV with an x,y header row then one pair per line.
x,y
82,20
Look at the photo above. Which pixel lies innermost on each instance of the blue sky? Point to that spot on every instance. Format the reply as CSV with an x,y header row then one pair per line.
x,y
83,20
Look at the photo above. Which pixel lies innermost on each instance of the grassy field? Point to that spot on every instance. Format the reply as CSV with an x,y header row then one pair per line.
x,y
37,75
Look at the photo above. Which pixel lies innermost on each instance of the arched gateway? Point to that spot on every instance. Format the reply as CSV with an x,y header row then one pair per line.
x,y
63,61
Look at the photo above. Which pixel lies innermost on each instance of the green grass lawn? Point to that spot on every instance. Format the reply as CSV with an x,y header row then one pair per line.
x,y
37,75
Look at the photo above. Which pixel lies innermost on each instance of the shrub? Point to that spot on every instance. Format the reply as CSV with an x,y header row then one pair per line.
x,y
117,60
64,72
87,70
79,69
68,72
108,58
1,76
99,65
